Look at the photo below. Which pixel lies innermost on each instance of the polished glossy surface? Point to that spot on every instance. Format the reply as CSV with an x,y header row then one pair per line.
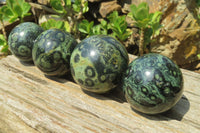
x,y
21,40
52,51
97,63
152,84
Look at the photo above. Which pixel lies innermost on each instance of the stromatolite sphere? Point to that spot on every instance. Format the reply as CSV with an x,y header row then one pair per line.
x,y
152,84
97,63
21,40
52,51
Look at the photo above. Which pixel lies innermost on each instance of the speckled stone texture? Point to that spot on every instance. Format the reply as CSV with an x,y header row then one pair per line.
x,y
52,51
98,62
152,84
21,40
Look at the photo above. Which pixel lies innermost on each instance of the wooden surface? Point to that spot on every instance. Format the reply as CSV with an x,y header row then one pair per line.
x,y
31,102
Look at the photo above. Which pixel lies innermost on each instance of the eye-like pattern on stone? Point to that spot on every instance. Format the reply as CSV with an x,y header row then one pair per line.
x,y
97,63
152,84
52,51
21,40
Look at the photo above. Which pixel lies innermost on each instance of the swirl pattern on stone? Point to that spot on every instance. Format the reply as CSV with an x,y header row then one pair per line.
x,y
152,84
21,40
97,63
52,51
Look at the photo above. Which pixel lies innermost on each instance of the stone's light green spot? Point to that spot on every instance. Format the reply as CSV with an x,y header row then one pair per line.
x,y
159,84
60,37
89,82
24,50
144,89
161,92
157,76
154,91
45,63
15,37
106,58
89,72
153,97
166,90
103,77
21,40
159,64
174,72
52,51
129,92
56,56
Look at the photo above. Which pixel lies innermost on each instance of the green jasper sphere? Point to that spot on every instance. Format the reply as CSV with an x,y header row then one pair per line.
x,y
52,51
97,63
21,40
152,84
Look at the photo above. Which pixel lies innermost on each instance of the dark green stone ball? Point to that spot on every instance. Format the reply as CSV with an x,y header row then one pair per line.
x,y
97,63
52,51
21,40
152,84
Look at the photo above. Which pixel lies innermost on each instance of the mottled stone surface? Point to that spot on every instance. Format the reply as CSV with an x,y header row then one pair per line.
x,y
52,51
153,84
21,40
97,63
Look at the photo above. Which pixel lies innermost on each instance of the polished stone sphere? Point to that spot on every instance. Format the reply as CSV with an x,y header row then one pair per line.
x,y
21,40
52,50
152,84
97,63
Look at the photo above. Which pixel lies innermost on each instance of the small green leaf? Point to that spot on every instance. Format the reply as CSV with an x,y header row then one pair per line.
x,y
82,27
52,23
86,27
68,2
13,19
9,3
5,49
143,5
26,7
57,6
27,14
89,27
2,40
58,25
85,7
3,44
104,23
198,56
66,26
7,11
133,11
18,10
118,25
76,8
96,30
142,14
156,16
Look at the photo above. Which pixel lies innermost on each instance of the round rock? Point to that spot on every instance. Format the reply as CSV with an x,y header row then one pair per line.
x,y
152,84
52,51
97,63
21,40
